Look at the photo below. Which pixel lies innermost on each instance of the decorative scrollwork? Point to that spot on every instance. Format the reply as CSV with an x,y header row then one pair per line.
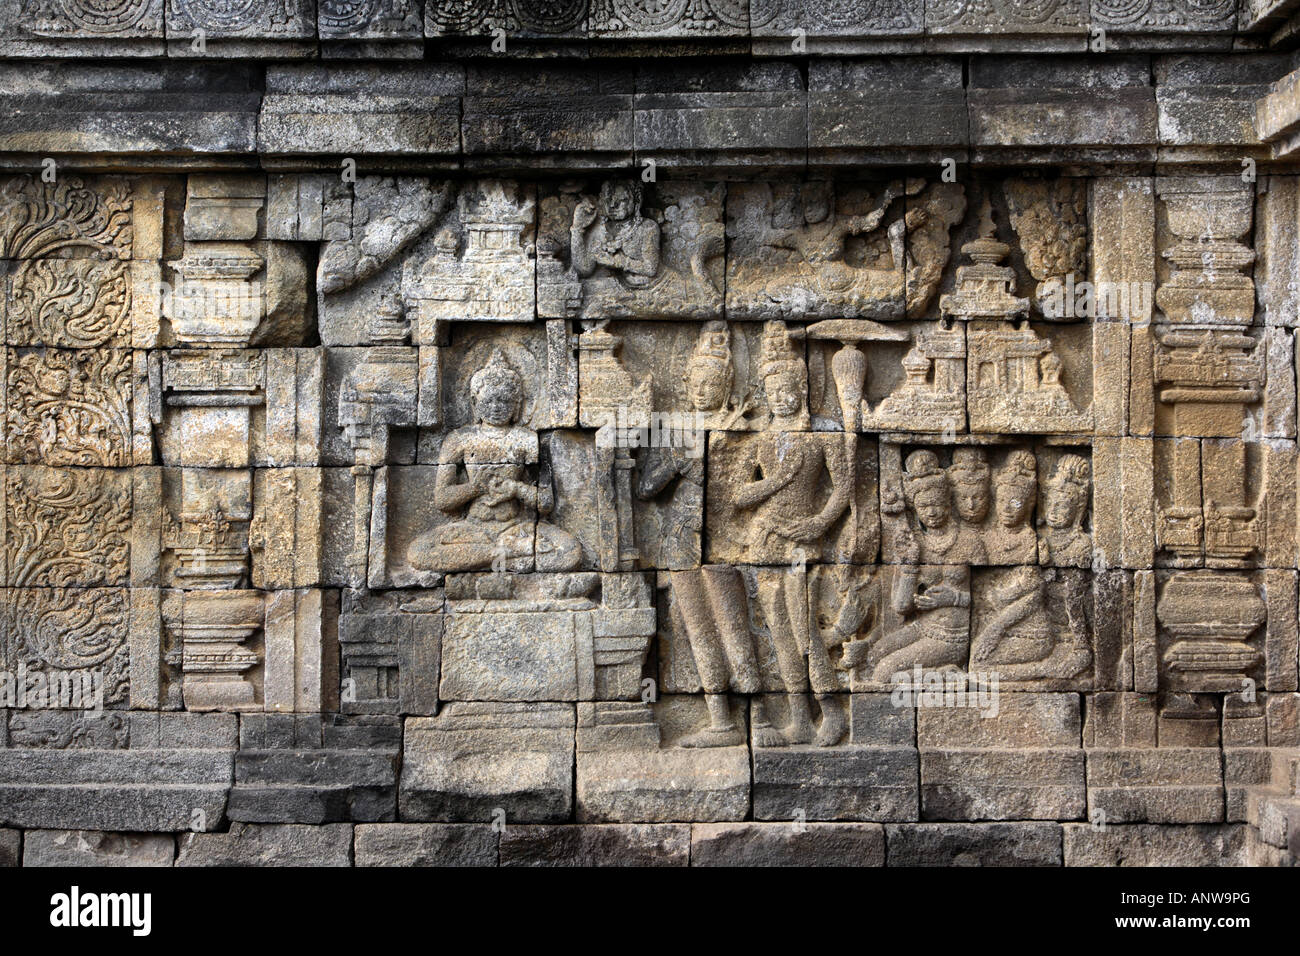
x,y
66,527
69,408
70,303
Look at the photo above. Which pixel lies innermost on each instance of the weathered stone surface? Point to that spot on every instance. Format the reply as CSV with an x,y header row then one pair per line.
x,y
525,431
92,848
149,773
1037,784
1176,785
1021,721
1210,99
973,844
787,844
425,844
484,762
850,102
1020,762
10,845
339,772
158,107
749,113
571,114
634,764
868,783
245,844
394,108
1018,103
603,845
1146,845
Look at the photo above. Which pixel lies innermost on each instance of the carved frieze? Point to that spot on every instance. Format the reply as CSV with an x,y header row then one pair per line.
x,y
67,526
69,218
997,16
69,407
639,18
69,303
626,248
831,250
85,19
70,634
272,19
368,19
648,499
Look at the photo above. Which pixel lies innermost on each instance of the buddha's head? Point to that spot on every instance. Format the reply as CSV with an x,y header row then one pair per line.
x,y
497,391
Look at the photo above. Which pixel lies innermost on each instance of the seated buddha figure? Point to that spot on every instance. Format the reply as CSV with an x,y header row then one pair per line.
x,y
482,479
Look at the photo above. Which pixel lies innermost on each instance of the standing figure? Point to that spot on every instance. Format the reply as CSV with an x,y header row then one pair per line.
x,y
781,487
711,600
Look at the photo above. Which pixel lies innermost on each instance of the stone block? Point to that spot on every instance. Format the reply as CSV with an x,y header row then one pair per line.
x,y
1021,721
11,842
846,783
1016,104
1027,784
564,114
1150,845
96,849
850,103
785,844
973,844
598,845
318,780
350,110
206,112
738,114
270,845
1183,785
633,767
476,760
425,844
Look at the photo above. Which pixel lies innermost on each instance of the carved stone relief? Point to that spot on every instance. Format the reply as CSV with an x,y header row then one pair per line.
x,y
67,526
69,407
625,248
648,501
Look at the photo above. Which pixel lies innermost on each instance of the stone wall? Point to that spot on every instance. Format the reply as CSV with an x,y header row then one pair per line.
x,y
868,436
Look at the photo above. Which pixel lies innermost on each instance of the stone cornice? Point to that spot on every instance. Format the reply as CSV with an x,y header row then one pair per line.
x,y
734,115
405,28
